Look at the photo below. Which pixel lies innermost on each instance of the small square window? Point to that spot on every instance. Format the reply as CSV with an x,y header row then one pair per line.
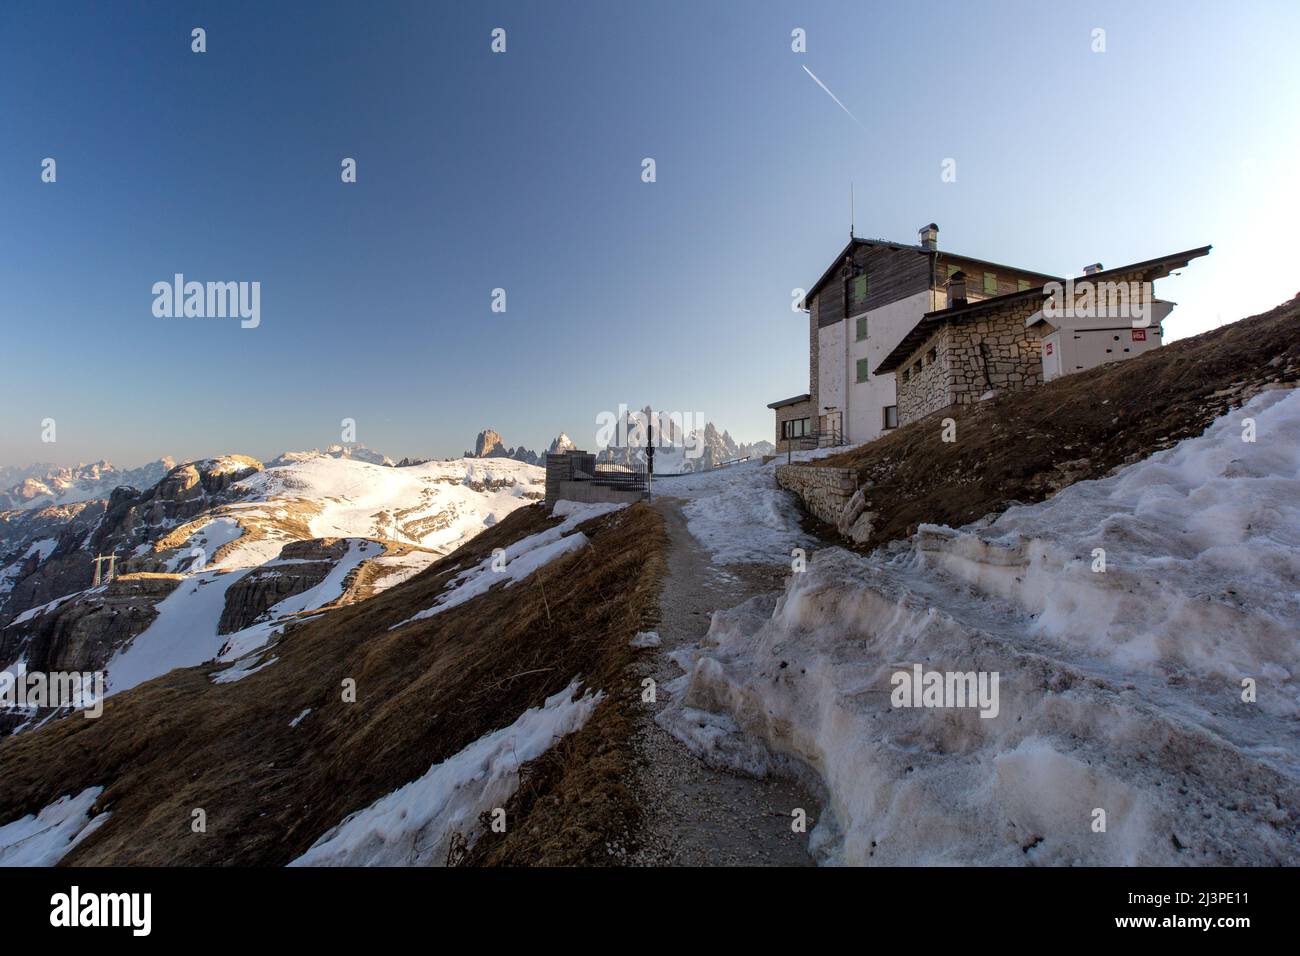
x,y
990,283
907,375
932,356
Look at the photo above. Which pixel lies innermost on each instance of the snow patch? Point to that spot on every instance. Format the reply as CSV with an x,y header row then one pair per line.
x,y
44,838
520,559
739,514
414,825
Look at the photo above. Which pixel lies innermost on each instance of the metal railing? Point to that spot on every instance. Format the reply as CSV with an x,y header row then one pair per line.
x,y
829,438
620,476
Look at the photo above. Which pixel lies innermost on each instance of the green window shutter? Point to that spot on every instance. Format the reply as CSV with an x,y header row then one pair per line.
x,y
990,284
862,327
1022,285
860,286
952,271
862,370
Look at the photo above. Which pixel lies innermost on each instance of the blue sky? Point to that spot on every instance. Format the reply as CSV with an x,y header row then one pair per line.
x,y
522,170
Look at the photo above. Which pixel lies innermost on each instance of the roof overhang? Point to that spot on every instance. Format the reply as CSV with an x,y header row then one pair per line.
x,y
1047,324
1150,269
790,401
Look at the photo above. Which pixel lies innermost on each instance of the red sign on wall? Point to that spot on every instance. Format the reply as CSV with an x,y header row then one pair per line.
x,y
1139,335
1047,348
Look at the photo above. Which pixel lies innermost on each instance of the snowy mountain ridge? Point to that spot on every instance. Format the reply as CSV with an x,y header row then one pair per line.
x,y
40,486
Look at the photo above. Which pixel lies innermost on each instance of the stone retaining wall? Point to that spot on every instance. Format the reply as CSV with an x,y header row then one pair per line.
x,y
824,491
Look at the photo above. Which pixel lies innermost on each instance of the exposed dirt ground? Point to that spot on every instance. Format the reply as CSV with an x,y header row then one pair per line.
x,y
690,813
1023,446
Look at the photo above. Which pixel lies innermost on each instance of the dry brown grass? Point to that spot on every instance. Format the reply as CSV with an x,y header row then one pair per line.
x,y
1023,446
425,691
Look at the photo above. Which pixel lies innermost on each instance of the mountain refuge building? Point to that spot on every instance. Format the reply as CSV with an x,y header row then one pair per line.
x,y
898,331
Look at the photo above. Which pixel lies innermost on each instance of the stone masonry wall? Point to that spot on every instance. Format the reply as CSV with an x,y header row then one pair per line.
x,y
823,491
930,389
990,351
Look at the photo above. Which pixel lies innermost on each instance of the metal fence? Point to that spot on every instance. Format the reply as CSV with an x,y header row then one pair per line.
x,y
619,476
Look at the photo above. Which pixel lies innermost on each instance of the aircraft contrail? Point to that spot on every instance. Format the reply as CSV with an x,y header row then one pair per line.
x,y
833,96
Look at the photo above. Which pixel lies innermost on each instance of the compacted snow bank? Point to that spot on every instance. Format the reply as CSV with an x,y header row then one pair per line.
x,y
1119,734
1201,549
414,825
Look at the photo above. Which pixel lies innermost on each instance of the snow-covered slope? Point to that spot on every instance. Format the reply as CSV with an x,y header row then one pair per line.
x,y
222,581
437,505
1145,714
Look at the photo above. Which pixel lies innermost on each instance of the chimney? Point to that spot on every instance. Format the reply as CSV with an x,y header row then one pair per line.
x,y
956,289
1092,269
929,237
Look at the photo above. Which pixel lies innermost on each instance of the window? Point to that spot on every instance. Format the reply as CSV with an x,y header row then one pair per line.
x,y
916,369
932,356
862,328
889,416
795,428
952,271
863,371
907,375
990,283
1022,285
859,289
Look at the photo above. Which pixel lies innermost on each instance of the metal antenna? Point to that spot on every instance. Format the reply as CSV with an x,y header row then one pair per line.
x,y
850,209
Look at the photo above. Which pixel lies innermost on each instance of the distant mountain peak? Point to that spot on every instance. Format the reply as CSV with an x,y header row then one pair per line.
x,y
42,485
353,451
490,444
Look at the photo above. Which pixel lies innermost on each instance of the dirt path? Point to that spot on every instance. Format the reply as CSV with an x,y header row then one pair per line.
x,y
693,814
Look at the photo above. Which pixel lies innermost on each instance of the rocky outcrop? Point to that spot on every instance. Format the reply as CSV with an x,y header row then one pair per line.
x,y
83,634
302,565
489,445
124,525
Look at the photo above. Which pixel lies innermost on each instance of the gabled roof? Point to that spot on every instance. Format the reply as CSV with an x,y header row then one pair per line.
x,y
1154,268
855,242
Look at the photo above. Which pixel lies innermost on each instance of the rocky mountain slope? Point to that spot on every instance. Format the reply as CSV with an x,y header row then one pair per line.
x,y
44,485
220,553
